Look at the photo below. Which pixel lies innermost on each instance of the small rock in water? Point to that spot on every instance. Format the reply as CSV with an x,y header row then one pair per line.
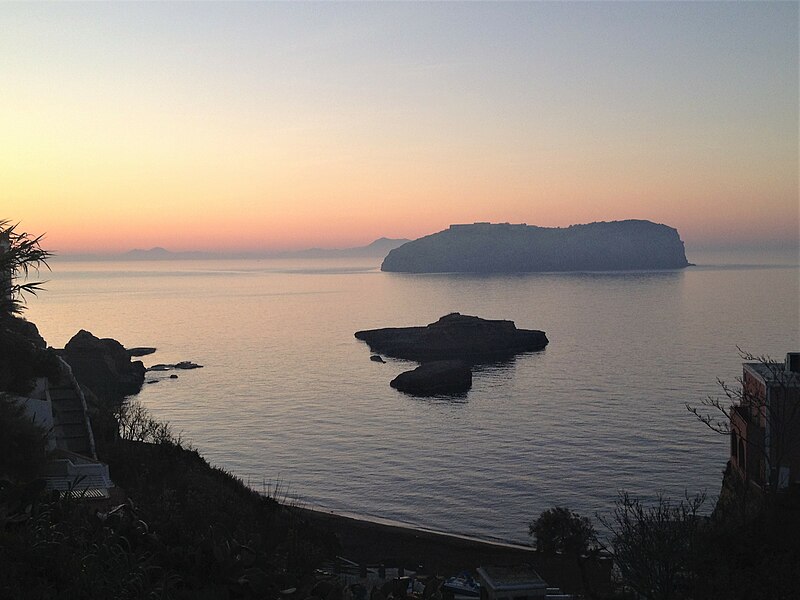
x,y
440,377
173,376
376,358
152,381
140,351
184,364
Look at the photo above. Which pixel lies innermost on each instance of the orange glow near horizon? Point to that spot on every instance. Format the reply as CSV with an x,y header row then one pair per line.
x,y
271,127
104,235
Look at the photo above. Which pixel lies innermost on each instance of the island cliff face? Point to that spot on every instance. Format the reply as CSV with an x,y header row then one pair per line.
x,y
505,248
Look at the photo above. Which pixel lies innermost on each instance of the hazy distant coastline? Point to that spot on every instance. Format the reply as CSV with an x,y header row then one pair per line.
x,y
765,254
377,249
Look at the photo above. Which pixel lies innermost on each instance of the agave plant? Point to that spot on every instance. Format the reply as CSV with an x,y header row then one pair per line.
x,y
20,253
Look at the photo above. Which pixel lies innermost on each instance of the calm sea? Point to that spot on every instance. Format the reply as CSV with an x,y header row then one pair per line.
x,y
289,397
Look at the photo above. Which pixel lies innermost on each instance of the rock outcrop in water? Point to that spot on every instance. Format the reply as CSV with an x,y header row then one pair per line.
x,y
438,377
505,248
455,336
140,351
104,366
183,365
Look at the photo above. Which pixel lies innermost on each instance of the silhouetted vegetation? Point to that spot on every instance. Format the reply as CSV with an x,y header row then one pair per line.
x,y
667,550
654,546
136,424
23,359
181,529
20,253
216,534
560,530
756,557
22,443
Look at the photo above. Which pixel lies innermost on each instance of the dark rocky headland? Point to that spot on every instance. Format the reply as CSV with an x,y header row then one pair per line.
x,y
506,248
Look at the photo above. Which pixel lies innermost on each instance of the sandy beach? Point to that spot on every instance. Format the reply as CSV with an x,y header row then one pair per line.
x,y
371,542
375,543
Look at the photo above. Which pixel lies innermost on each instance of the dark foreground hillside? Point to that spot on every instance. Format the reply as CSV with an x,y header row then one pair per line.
x,y
176,527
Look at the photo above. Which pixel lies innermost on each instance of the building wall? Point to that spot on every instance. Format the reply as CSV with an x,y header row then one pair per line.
x,y
38,407
746,454
769,413
786,432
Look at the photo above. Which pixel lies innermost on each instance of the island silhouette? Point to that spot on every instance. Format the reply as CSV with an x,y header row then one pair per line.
x,y
507,248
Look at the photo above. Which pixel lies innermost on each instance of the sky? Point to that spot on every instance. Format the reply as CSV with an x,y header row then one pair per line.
x,y
270,126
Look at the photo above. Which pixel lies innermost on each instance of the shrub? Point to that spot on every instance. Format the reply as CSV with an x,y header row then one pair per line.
x,y
655,546
559,529
20,253
22,360
136,424
23,452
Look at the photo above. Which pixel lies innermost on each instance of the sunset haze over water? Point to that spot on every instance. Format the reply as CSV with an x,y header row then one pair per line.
x,y
272,126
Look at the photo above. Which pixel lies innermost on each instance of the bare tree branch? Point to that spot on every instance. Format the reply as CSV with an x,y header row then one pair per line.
x,y
771,415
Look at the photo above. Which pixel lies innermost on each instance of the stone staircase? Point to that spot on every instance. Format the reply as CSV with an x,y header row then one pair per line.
x,y
74,468
71,428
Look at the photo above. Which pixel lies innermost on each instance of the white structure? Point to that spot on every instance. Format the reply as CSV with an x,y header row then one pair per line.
x,y
60,409
511,583
79,476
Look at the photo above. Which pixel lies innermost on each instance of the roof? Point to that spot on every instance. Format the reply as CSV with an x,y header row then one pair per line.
x,y
77,475
774,373
517,577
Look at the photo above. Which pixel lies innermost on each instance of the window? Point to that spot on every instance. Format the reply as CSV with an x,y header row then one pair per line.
x,y
742,458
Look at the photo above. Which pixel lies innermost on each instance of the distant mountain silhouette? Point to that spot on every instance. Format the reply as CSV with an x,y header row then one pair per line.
x,y
506,248
159,253
377,249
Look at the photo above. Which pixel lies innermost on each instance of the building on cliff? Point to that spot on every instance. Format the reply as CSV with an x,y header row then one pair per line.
x,y
765,425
